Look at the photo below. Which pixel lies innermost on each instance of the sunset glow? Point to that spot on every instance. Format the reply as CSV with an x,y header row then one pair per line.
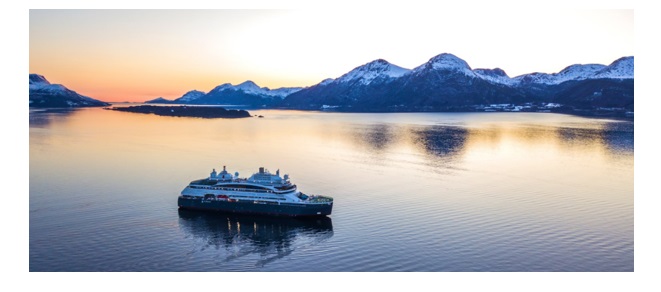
x,y
137,55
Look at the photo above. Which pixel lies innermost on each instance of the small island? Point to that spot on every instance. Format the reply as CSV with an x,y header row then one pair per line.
x,y
185,111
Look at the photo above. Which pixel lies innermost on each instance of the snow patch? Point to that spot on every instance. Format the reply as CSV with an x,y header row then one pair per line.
x,y
326,81
190,96
496,75
620,69
446,62
365,74
250,87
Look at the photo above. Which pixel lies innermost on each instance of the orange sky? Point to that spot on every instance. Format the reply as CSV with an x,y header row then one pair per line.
x,y
137,55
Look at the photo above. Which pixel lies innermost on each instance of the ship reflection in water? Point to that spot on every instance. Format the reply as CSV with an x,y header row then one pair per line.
x,y
254,239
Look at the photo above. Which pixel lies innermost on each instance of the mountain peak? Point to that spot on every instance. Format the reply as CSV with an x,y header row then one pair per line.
x,y
378,68
326,81
627,59
250,88
621,68
159,100
576,72
194,92
190,96
448,61
38,79
248,84
378,63
445,62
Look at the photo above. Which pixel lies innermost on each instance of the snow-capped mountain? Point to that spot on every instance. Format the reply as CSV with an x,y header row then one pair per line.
x,y
365,74
447,81
37,79
573,72
45,94
445,62
577,72
621,68
365,80
190,96
246,93
249,87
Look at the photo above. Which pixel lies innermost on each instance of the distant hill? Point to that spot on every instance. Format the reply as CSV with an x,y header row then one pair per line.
x,y
45,94
159,100
247,93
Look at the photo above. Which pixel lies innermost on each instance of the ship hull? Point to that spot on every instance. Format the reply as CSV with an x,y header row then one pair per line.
x,y
250,207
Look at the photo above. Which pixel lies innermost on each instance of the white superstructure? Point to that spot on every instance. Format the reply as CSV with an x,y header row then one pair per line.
x,y
262,187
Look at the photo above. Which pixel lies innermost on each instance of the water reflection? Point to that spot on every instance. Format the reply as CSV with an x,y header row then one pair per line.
x,y
619,136
441,140
615,136
433,140
449,142
239,236
41,118
444,147
374,138
465,192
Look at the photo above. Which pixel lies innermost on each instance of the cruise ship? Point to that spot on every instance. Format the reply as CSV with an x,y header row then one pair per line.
x,y
262,193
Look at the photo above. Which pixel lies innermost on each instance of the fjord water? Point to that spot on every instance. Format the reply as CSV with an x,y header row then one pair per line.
x,y
413,192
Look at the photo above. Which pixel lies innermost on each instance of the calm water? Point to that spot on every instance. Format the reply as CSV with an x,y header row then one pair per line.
x,y
413,192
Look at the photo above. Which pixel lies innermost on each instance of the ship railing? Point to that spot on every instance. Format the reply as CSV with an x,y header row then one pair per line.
x,y
319,199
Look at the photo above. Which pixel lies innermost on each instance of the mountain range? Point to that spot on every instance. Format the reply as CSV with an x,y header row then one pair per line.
x,y
444,83
447,83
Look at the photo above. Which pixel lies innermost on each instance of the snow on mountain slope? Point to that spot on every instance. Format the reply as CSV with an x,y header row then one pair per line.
x,y
446,62
38,83
573,72
326,81
283,91
577,72
250,87
367,73
38,79
496,75
621,68
44,94
190,96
